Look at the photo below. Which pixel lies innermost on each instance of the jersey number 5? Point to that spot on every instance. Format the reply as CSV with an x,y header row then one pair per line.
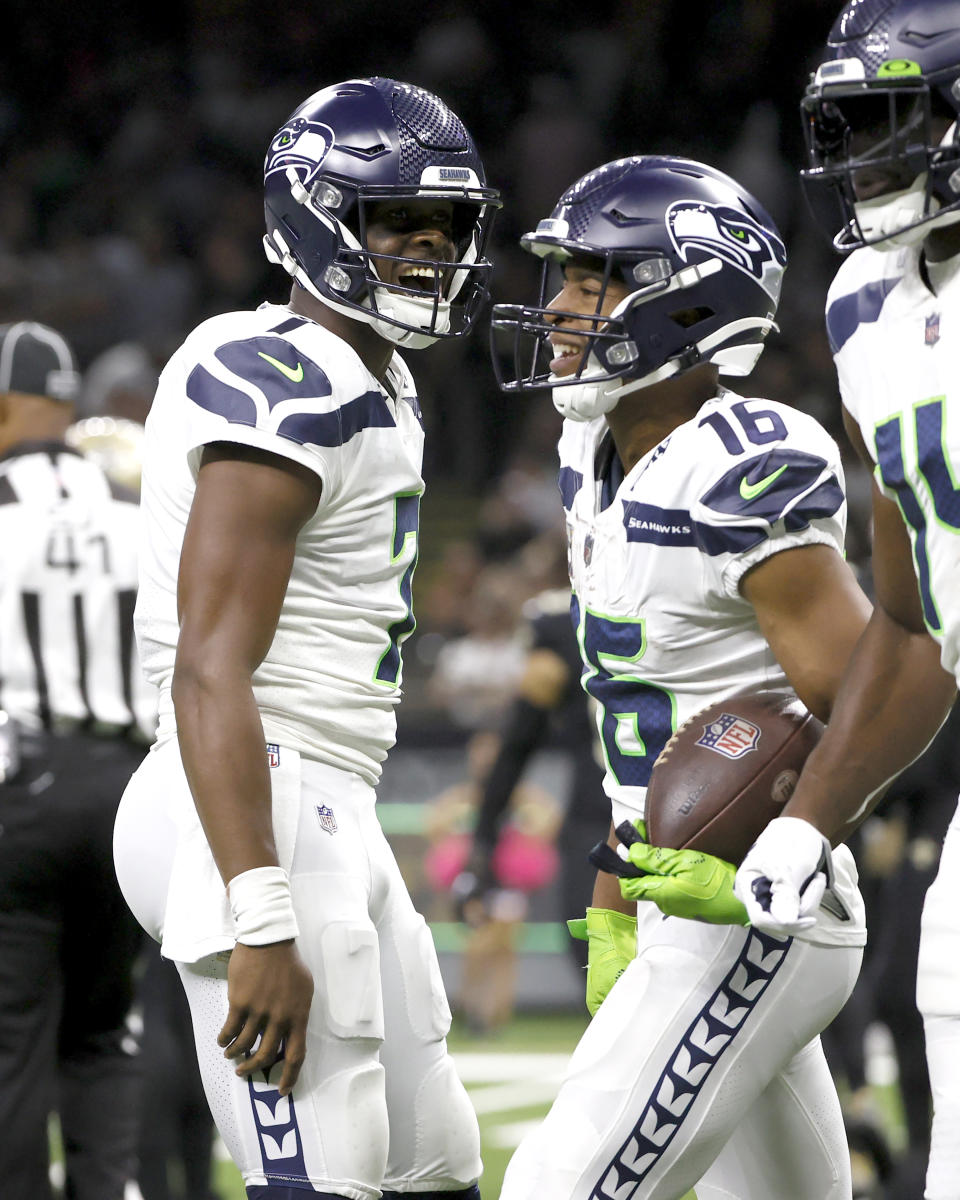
x,y
406,527
638,718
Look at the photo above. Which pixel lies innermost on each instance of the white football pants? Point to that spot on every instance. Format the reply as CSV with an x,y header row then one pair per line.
x,y
703,1067
938,998
378,1104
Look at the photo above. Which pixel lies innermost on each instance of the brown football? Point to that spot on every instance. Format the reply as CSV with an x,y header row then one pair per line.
x,y
727,772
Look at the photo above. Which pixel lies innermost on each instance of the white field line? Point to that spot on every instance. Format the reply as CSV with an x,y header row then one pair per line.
x,y
509,1135
510,1081
474,1067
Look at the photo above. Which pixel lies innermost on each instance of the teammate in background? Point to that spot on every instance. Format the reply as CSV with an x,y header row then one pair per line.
x,y
81,717
281,488
550,708
706,554
881,119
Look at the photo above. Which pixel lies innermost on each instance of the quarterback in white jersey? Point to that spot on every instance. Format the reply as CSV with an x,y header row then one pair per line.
x,y
706,556
281,489
881,121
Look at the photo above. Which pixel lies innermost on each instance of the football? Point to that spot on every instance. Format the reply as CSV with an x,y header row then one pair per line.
x,y
727,772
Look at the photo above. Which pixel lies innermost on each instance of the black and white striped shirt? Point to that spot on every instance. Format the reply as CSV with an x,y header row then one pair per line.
x,y
68,579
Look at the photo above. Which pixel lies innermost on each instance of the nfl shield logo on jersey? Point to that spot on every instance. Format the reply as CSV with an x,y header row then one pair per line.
x,y
326,818
931,331
730,736
273,754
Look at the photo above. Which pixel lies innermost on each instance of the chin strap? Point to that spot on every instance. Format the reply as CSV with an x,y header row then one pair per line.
x,y
587,399
401,308
901,218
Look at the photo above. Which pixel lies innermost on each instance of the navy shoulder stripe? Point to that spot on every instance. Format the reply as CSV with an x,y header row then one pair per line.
x,y
286,326
569,482
765,486
276,367
845,315
218,397
336,428
719,539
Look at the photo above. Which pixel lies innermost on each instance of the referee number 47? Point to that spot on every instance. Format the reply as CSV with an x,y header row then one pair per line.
x,y
69,551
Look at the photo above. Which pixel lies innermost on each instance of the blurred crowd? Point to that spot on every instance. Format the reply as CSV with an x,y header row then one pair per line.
x,y
132,142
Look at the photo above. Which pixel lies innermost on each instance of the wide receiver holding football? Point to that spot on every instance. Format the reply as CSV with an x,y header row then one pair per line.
x,y
881,115
281,488
706,556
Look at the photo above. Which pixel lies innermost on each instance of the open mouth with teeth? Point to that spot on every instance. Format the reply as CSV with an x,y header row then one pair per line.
x,y
428,279
568,350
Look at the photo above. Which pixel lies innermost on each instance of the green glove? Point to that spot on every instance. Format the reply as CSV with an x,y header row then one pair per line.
x,y
611,939
684,883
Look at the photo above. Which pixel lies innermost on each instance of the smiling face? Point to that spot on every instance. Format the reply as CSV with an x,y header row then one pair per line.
x,y
420,229
577,305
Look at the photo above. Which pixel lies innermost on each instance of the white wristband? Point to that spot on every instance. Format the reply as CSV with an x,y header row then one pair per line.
x,y
261,906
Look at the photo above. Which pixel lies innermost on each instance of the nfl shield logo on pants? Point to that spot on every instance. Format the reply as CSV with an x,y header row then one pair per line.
x,y
326,818
931,330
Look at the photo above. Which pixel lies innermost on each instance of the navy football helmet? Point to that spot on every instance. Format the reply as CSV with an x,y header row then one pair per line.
x,y
883,107
702,262
351,145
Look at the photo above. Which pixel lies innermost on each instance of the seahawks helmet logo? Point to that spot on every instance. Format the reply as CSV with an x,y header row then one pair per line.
x,y
729,234
300,143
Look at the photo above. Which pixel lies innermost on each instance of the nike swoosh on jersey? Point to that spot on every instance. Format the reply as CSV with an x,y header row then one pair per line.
x,y
295,375
749,491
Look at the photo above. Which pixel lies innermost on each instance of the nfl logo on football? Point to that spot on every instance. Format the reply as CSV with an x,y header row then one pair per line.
x,y
730,736
273,754
326,818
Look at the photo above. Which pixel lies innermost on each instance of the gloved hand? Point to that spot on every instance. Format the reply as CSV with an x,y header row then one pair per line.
x,y
682,883
611,939
784,875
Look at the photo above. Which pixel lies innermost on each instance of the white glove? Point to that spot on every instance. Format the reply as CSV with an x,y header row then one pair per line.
x,y
784,875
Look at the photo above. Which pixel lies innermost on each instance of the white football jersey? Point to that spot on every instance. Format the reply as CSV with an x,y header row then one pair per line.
x,y
656,561
275,380
897,352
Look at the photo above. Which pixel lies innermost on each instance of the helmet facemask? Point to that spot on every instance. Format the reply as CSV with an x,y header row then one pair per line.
x,y
619,349
897,139
414,315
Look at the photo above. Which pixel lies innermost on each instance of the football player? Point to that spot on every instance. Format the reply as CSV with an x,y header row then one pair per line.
x,y
706,538
281,489
884,155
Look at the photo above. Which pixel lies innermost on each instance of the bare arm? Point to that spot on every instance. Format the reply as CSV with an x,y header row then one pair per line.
x,y
237,556
812,611
894,697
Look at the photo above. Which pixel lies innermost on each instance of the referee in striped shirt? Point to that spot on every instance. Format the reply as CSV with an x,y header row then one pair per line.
x,y
75,717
